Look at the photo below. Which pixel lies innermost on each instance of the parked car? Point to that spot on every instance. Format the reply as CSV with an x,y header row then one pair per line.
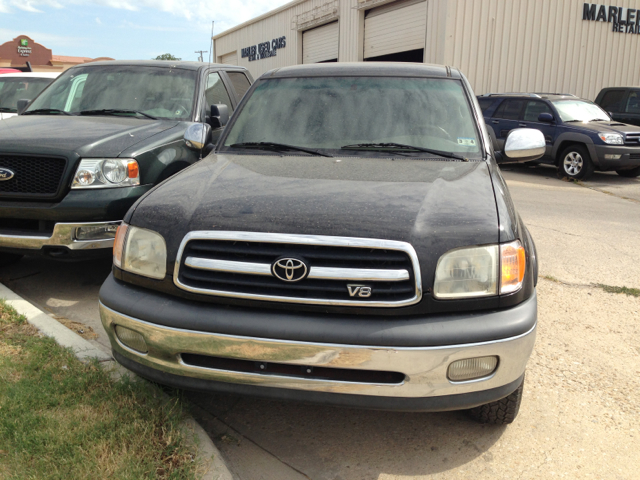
x,y
350,241
19,86
580,136
95,141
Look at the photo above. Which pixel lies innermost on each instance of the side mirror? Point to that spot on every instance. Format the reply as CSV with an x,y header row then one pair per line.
x,y
546,118
22,105
219,115
197,136
523,145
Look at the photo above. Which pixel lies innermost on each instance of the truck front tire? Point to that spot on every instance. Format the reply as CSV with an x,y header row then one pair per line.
x,y
500,412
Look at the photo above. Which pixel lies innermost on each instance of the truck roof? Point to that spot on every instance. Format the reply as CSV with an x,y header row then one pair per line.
x,y
159,63
382,69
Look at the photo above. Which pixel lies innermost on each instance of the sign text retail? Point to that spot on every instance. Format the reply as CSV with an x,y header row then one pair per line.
x,y
623,20
264,49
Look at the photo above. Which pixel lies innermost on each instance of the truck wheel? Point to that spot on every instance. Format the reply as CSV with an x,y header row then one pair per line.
x,y
632,173
500,412
9,258
575,163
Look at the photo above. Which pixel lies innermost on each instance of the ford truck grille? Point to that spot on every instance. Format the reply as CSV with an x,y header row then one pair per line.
x,y
37,177
299,268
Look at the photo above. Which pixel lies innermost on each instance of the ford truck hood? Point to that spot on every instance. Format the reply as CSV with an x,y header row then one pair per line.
x,y
435,205
89,136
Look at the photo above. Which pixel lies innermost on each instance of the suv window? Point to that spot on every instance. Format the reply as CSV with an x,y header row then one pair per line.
x,y
611,100
534,109
510,109
240,83
633,103
485,103
215,92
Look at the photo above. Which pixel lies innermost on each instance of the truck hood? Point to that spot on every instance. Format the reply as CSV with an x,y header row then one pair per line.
x,y
435,205
4,115
86,136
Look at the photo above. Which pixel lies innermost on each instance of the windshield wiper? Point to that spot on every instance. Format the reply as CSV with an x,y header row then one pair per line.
x,y
278,146
401,146
46,111
8,110
115,111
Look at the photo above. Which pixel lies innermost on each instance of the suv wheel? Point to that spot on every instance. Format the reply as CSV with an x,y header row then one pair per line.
x,y
575,163
500,412
8,258
634,172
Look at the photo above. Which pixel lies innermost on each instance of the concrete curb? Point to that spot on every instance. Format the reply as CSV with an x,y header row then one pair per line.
x,y
208,456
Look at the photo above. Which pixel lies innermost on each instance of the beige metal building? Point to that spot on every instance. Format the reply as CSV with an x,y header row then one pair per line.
x,y
500,45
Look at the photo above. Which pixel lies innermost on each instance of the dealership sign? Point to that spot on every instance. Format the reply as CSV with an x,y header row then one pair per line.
x,y
264,49
623,20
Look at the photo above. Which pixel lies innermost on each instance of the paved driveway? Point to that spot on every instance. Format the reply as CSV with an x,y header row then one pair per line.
x,y
580,417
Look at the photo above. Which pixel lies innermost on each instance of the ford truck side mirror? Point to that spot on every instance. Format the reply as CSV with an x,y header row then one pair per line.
x,y
545,117
523,145
219,115
197,136
22,105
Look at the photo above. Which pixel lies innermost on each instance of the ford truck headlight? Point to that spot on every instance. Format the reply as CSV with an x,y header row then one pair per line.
x,y
611,138
480,271
140,251
106,173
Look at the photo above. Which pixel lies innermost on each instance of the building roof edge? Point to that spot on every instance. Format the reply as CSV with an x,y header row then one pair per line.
x,y
257,19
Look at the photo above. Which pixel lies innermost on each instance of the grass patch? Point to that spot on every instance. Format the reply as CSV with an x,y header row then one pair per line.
x,y
632,292
63,419
551,278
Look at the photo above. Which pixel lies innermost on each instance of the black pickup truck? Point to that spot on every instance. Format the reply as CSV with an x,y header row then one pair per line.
x,y
349,241
98,138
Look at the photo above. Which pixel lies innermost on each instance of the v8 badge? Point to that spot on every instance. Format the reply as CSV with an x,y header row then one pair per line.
x,y
361,291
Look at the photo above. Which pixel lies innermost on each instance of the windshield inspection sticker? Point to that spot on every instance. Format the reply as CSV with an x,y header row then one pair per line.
x,y
467,142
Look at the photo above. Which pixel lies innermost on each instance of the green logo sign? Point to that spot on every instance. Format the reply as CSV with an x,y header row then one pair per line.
x,y
24,42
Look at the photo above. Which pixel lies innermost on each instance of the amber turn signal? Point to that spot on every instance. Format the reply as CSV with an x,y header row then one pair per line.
x,y
512,265
118,244
132,169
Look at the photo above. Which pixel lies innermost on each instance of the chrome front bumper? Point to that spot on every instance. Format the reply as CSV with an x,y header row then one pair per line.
x,y
64,235
425,368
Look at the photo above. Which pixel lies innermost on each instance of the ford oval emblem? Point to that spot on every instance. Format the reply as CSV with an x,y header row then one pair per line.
x,y
5,174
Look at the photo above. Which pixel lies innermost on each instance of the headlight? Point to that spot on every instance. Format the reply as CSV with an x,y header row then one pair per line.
x,y
140,251
467,272
611,138
480,271
106,173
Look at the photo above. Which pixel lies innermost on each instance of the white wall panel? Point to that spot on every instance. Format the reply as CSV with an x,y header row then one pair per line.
x,y
230,58
391,30
320,44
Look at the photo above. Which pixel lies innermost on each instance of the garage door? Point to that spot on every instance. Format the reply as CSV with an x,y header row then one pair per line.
x,y
230,58
320,44
395,27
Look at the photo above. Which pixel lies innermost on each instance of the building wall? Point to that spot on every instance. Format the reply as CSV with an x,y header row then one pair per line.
x,y
500,45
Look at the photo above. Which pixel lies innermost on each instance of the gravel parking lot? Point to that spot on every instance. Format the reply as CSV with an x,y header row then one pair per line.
x,y
580,414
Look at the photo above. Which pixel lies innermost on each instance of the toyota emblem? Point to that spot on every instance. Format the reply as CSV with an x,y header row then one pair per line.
x,y
289,269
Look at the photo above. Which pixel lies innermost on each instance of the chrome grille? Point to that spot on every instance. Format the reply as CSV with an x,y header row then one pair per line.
x,y
340,270
37,177
632,139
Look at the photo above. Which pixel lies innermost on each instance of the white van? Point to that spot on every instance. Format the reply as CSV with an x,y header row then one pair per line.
x,y
18,86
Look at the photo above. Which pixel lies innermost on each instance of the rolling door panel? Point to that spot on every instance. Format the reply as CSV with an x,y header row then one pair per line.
x,y
230,58
320,44
391,30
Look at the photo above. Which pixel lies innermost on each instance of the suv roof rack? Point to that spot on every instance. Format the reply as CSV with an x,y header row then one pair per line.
x,y
515,94
552,93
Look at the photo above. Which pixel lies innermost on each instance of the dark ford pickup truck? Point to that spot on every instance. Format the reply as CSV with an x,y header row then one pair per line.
x,y
350,241
99,137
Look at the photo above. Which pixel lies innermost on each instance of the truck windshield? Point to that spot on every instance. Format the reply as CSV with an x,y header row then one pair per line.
x,y
579,111
346,115
158,92
13,89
